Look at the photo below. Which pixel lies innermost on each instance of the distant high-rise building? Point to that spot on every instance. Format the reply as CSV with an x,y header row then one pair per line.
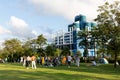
x,y
70,39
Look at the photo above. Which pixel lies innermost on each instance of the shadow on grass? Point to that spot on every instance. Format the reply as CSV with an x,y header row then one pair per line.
x,y
101,69
18,72
40,75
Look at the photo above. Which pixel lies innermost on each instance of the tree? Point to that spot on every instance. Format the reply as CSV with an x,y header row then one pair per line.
x,y
41,40
38,44
84,36
58,52
65,51
97,39
51,50
27,48
108,21
13,47
3,54
78,53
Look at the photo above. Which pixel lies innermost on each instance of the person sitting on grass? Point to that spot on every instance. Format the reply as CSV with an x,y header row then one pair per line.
x,y
93,63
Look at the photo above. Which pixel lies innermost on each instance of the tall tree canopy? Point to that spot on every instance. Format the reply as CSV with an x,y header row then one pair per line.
x,y
41,40
38,44
108,21
84,36
13,47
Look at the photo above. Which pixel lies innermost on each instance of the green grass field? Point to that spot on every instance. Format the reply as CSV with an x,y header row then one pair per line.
x,y
10,71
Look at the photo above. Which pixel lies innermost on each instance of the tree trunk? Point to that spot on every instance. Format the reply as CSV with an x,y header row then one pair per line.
x,y
115,65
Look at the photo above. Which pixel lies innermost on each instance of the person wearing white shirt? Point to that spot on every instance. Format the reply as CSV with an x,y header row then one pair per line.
x,y
69,58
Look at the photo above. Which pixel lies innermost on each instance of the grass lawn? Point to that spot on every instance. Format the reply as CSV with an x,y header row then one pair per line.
x,y
12,71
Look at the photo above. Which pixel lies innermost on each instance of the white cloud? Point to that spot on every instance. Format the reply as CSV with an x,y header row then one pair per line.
x,y
20,28
17,23
47,32
34,32
68,8
4,31
48,36
1,41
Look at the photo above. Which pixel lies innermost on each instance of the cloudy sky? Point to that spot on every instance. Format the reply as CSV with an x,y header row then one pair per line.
x,y
29,18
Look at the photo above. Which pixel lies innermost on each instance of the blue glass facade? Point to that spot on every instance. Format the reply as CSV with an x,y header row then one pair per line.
x,y
71,37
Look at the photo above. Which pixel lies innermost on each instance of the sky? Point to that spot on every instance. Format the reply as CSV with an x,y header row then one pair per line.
x,y
25,19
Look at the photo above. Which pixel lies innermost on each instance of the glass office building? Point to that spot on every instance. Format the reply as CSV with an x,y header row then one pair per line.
x,y
70,38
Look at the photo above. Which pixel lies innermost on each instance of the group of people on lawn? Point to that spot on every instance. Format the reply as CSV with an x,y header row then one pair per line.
x,y
29,60
68,59
47,61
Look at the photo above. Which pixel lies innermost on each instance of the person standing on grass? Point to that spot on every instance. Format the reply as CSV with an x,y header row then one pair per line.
x,y
24,60
64,60
43,60
33,59
21,59
28,62
69,58
77,60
